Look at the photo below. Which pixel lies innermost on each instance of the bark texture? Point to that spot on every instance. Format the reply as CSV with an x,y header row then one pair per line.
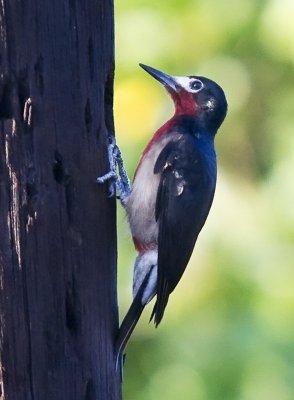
x,y
58,305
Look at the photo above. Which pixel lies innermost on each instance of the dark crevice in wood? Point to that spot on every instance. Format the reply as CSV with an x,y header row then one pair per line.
x,y
6,103
39,73
88,116
72,308
59,172
108,100
90,391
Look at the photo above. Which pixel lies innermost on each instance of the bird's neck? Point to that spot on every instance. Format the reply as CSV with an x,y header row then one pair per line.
x,y
183,123
163,130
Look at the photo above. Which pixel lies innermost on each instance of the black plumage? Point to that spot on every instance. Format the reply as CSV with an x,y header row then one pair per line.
x,y
183,201
177,172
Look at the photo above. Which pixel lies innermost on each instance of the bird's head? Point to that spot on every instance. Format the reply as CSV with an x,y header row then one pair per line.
x,y
196,96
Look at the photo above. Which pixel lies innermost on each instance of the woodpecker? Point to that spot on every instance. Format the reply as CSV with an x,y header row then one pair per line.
x,y
172,192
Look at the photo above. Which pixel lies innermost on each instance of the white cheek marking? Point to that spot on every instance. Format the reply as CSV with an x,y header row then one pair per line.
x,y
184,82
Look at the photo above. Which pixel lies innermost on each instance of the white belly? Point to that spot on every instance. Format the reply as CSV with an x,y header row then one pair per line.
x,y
140,205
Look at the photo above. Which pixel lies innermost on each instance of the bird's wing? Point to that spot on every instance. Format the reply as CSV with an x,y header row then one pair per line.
x,y
183,201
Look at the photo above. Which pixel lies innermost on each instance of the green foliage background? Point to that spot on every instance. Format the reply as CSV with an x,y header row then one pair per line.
x,y
228,330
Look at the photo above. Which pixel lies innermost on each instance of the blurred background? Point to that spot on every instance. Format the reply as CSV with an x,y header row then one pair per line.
x,y
228,331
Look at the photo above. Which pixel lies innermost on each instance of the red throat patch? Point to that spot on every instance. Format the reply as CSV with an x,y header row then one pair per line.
x,y
185,103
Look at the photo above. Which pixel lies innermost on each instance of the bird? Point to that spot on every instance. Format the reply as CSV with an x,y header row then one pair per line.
x,y
171,194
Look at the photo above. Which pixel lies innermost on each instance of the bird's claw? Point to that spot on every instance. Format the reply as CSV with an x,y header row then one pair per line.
x,y
117,180
110,176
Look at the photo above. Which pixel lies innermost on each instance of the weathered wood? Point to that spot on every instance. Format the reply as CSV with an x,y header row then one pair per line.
x,y
57,227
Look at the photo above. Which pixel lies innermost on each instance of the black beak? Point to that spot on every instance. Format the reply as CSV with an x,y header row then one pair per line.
x,y
167,80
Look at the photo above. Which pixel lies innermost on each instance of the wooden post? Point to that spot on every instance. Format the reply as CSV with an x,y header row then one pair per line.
x,y
58,305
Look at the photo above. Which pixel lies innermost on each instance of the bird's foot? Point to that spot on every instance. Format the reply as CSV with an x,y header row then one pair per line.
x,y
117,175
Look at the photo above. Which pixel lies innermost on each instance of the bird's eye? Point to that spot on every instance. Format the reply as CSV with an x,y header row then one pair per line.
x,y
196,85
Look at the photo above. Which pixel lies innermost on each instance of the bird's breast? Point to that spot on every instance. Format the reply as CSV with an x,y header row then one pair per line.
x,y
140,205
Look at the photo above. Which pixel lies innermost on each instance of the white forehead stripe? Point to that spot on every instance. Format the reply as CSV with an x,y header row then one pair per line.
x,y
184,82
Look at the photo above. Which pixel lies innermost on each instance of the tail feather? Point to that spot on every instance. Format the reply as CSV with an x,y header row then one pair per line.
x,y
130,321
160,304
127,327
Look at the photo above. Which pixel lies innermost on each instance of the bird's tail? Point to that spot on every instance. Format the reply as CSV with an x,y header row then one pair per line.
x,y
160,304
127,327
130,321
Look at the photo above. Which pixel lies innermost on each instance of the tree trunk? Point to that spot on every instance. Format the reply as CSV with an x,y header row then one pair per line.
x,y
58,239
